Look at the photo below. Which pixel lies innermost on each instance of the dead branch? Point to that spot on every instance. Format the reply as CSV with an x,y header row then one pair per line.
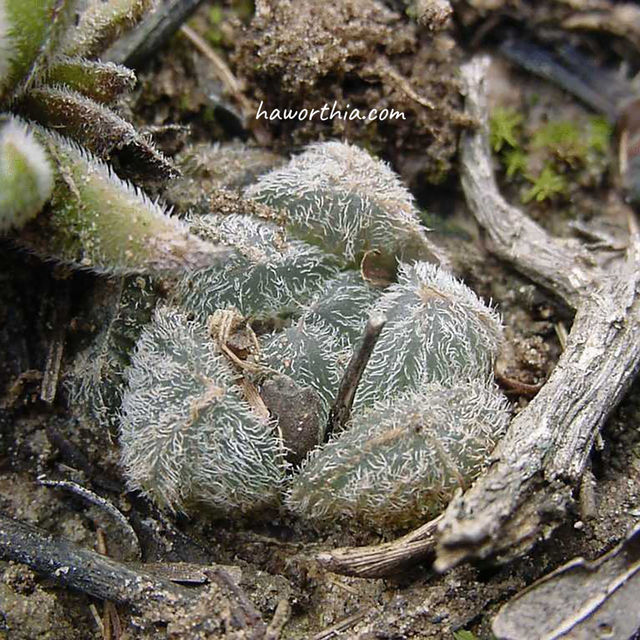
x,y
210,611
527,489
341,410
381,560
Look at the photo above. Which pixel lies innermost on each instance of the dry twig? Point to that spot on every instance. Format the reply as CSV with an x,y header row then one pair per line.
x,y
378,561
525,493
211,611
341,409
99,501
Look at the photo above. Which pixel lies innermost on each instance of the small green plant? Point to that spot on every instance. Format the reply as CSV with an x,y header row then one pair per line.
x,y
568,151
599,134
515,162
562,139
426,414
548,184
463,634
504,128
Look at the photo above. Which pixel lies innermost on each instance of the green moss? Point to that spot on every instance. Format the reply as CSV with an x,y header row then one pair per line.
x,y
562,139
599,134
515,162
570,153
548,184
214,35
505,124
463,634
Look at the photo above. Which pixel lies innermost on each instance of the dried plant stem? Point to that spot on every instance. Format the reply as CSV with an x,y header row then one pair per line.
x,y
378,561
55,351
101,503
539,463
342,626
80,568
341,409
230,83
157,601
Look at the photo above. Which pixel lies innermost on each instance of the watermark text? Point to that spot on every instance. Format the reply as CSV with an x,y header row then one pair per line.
x,y
328,112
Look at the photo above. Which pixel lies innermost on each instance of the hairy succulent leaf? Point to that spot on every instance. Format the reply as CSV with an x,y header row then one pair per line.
x,y
401,460
437,330
27,26
97,221
26,178
187,435
343,304
101,23
311,354
68,112
99,81
339,197
266,275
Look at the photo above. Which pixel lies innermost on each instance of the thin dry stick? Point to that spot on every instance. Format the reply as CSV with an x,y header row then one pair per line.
x,y
60,321
222,70
157,601
341,409
100,502
279,620
335,630
379,561
527,490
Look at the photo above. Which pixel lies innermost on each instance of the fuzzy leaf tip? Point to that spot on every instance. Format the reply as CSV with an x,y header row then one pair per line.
x,y
101,23
26,178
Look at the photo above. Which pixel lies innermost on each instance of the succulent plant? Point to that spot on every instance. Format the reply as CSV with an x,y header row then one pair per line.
x,y
400,460
188,436
267,275
337,196
97,221
426,414
120,308
87,216
207,168
311,354
437,330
